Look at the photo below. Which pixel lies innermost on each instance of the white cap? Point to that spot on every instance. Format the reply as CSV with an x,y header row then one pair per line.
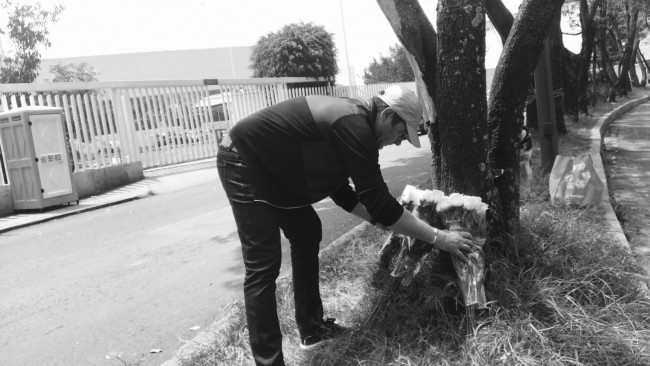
x,y
407,105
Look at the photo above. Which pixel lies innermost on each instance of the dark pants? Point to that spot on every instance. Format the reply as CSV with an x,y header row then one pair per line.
x,y
259,227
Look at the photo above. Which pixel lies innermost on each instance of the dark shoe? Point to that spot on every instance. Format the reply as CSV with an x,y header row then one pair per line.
x,y
326,332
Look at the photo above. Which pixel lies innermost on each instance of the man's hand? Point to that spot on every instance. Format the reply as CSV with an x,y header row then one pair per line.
x,y
457,243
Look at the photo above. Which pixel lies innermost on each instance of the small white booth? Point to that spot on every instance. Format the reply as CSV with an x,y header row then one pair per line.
x,y
34,146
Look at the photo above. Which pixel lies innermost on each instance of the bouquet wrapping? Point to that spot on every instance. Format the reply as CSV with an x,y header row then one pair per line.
x,y
455,212
468,213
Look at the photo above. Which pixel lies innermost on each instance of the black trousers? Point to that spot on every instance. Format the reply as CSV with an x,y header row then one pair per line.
x,y
258,225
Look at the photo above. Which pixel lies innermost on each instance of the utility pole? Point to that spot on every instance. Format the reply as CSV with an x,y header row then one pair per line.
x,y
345,45
2,53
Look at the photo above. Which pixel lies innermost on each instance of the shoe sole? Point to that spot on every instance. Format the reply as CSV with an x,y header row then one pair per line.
x,y
312,346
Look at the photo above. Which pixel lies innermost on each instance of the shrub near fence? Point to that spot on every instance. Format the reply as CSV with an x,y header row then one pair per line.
x,y
160,122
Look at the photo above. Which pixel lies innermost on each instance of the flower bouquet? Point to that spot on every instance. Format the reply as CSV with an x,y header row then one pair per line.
x,y
412,252
467,213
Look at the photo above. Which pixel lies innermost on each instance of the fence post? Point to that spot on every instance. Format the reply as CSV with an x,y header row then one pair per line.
x,y
125,125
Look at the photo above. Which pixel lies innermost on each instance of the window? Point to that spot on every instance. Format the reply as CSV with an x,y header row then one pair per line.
x,y
218,114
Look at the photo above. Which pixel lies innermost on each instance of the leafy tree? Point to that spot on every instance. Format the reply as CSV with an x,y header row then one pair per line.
x,y
73,72
392,69
299,49
28,31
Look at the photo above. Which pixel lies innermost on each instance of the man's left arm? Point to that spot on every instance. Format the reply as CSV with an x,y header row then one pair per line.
x,y
346,198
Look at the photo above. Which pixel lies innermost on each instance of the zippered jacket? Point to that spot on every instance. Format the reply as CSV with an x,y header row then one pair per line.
x,y
303,150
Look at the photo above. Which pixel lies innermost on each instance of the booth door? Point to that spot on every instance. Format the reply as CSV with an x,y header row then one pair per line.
x,y
50,149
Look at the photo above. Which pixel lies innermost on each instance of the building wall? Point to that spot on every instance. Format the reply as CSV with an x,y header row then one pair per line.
x,y
210,63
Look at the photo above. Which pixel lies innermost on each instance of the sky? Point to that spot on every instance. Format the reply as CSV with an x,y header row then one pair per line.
x,y
100,27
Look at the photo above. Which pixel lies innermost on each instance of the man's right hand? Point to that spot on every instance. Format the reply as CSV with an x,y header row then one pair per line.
x,y
458,243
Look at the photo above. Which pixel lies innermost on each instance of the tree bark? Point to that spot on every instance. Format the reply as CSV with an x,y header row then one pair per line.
x,y
556,45
507,98
643,67
571,62
608,72
501,18
634,77
462,106
623,82
587,16
417,35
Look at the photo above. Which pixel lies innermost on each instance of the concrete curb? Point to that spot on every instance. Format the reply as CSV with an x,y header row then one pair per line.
x,y
597,145
70,213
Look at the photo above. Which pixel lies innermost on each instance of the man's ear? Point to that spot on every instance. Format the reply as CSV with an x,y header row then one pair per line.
x,y
387,113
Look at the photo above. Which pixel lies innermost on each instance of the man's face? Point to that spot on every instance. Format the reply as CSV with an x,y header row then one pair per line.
x,y
389,133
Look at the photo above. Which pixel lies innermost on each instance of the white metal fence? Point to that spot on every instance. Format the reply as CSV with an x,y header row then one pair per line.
x,y
159,122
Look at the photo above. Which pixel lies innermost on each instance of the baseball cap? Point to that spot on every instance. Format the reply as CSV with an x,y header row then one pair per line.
x,y
407,105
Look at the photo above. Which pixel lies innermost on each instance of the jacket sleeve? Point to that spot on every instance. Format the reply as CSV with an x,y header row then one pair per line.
x,y
357,143
345,197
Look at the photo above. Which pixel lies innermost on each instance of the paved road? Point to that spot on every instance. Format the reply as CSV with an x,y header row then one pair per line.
x,y
108,286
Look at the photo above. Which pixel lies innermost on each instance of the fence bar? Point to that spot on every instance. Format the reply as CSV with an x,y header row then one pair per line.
x,y
98,138
152,127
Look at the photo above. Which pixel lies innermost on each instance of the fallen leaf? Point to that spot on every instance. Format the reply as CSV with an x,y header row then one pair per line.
x,y
196,327
155,350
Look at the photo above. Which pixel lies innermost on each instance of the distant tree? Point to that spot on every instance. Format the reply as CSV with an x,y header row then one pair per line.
x,y
28,31
394,68
73,72
299,49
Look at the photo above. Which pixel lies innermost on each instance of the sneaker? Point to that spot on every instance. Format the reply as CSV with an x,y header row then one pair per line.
x,y
327,332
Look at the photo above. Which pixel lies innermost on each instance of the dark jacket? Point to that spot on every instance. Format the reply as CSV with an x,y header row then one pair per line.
x,y
303,150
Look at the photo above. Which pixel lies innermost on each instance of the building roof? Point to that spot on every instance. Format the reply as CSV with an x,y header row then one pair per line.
x,y
209,63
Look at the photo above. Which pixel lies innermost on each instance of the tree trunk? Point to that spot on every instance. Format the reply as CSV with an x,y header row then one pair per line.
x,y
642,66
462,107
606,65
417,35
570,62
634,77
501,18
645,62
557,46
507,98
608,74
623,82
588,34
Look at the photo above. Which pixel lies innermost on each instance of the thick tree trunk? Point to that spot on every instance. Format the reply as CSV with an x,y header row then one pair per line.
x,y
507,97
417,35
462,107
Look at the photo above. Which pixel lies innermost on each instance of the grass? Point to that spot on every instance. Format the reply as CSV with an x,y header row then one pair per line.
x,y
561,292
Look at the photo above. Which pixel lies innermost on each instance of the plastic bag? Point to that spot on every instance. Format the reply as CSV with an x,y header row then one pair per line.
x,y
574,181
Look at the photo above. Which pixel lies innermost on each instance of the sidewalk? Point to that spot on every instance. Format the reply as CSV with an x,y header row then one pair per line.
x,y
157,181
627,157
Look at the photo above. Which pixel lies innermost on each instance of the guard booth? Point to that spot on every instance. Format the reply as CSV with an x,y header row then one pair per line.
x,y
37,162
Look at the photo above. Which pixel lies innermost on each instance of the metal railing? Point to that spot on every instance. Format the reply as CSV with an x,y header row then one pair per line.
x,y
159,122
